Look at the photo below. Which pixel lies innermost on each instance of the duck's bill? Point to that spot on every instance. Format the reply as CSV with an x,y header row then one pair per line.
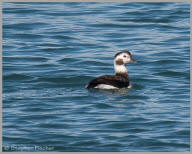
x,y
133,61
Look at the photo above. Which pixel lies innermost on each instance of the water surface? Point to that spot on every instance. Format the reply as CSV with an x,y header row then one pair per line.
x,y
52,50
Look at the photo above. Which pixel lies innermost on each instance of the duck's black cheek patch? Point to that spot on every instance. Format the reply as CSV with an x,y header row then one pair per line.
x,y
119,62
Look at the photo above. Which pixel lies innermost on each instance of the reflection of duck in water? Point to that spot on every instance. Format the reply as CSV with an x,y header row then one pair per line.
x,y
120,79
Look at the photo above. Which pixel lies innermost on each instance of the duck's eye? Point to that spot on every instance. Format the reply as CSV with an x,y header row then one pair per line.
x,y
124,56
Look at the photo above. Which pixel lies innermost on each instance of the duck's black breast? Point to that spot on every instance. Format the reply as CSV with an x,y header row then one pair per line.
x,y
118,81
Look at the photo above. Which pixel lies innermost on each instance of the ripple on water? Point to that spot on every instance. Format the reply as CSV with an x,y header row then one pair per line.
x,y
21,77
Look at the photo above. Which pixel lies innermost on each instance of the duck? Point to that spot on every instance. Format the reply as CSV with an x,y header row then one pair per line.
x,y
121,77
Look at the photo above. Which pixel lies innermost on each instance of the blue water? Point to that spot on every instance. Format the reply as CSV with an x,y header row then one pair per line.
x,y
52,50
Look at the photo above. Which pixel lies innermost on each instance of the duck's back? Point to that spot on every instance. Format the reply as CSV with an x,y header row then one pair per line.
x,y
109,82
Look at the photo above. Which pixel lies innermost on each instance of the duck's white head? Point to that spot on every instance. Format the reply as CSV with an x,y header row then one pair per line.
x,y
121,59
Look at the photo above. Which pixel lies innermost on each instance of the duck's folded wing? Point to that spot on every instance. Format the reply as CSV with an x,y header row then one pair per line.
x,y
113,80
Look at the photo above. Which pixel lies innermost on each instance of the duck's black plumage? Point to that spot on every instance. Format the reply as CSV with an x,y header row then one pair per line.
x,y
118,81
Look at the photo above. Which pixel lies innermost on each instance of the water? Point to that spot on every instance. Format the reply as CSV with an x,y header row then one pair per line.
x,y
52,50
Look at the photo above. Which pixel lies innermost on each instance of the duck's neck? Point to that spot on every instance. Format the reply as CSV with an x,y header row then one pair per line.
x,y
121,70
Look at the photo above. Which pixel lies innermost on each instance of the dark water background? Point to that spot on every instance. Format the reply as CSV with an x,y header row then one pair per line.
x,y
50,52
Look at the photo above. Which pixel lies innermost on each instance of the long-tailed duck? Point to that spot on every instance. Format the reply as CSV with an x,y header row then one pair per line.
x,y
120,79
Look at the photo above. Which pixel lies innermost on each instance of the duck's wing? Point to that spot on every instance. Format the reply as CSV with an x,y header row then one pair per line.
x,y
113,80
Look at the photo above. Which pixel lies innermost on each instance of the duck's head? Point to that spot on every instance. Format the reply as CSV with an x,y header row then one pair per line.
x,y
123,58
